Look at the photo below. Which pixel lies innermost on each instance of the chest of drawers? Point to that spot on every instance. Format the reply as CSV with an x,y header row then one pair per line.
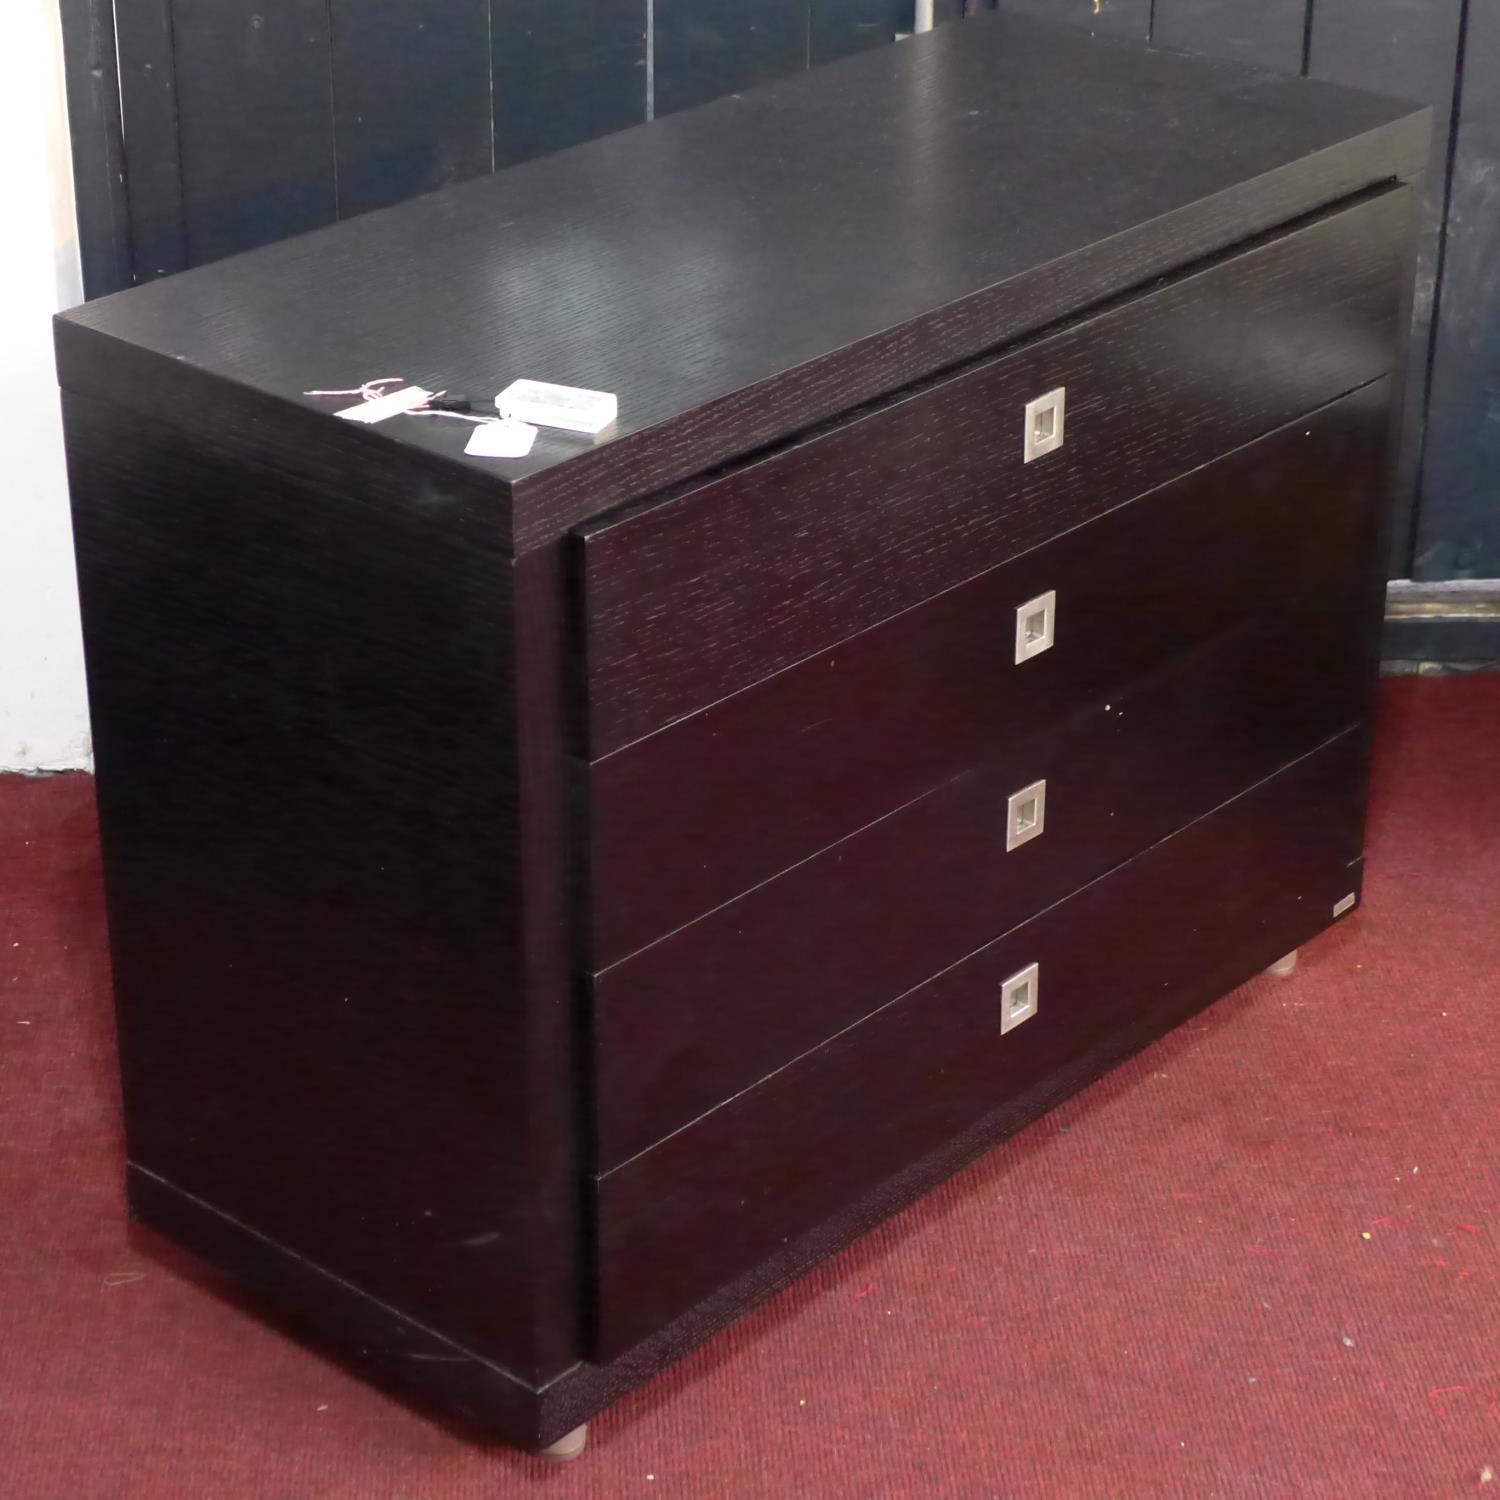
x,y
553,902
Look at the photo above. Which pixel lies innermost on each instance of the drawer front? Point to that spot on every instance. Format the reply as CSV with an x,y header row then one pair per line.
x,y
693,598
690,819
1134,953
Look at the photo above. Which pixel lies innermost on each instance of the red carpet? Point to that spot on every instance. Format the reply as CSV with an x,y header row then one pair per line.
x,y
1261,1260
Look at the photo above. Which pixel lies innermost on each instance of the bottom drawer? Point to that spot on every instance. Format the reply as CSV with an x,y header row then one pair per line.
x,y
1163,935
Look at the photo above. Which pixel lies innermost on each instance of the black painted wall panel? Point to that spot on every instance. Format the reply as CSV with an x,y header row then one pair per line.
x,y
411,97
255,120
565,71
1131,18
1269,32
708,48
1458,530
838,27
1408,48
92,79
153,165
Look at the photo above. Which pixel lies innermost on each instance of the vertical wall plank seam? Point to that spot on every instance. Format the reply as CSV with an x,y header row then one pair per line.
x,y
97,145
650,60
145,38
177,132
1307,37
333,114
489,21
1409,548
171,17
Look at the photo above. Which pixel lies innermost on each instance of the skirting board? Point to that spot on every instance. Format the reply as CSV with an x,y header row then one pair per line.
x,y
1454,622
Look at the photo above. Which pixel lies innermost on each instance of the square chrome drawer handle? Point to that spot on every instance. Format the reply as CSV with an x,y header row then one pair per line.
x,y
1036,624
1025,815
1018,997
1044,424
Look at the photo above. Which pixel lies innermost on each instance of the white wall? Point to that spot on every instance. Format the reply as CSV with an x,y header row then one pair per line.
x,y
43,717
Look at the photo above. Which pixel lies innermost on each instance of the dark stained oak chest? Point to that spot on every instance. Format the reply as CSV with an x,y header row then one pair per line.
x,y
555,902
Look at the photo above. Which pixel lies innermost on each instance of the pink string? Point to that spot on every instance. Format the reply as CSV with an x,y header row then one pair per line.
x,y
371,390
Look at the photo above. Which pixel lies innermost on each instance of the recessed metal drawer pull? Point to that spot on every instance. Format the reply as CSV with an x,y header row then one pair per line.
x,y
1044,424
1018,997
1025,815
1036,623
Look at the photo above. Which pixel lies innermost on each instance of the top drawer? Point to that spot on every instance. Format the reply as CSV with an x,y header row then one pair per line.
x,y
694,597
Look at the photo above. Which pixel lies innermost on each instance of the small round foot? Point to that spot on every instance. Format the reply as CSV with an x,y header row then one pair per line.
x,y
568,1447
1284,966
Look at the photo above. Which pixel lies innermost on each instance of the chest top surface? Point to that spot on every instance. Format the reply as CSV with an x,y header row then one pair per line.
x,y
741,271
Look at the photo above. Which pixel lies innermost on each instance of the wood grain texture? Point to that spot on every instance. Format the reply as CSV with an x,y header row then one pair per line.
x,y
565,73
708,48
1125,18
590,1387
742,280
1231,666
347,1324
1192,917
692,600
850,734
1406,48
1458,531
543,1034
153,158
1270,33
256,122
411,97
92,79
304,692
335,673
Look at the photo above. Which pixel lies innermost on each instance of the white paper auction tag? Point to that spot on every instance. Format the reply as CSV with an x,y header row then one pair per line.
x,y
503,439
408,398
